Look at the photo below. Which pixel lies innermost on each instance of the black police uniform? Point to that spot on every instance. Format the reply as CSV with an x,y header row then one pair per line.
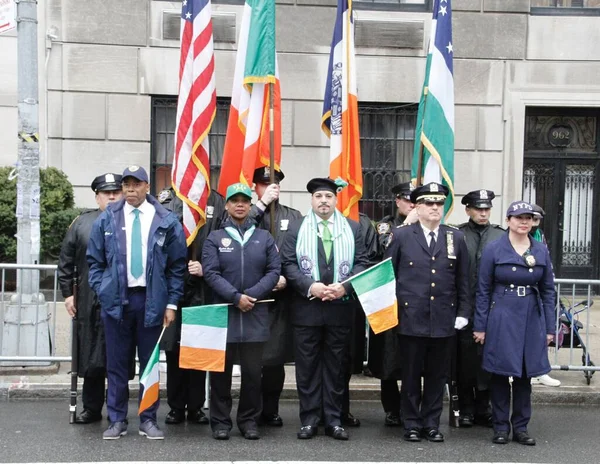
x,y
432,290
279,348
90,332
186,388
473,381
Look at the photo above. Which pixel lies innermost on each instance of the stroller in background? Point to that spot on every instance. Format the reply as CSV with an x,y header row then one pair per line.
x,y
568,334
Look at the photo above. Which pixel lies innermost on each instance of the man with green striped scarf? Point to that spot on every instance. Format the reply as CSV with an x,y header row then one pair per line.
x,y
319,253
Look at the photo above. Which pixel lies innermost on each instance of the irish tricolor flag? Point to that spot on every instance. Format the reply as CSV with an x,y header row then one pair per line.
x,y
376,291
150,379
204,338
247,144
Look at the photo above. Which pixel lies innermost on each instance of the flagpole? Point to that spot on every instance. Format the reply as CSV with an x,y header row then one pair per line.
x,y
272,152
421,146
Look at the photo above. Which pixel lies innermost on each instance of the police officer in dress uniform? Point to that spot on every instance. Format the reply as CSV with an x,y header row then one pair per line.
x,y
279,348
90,333
384,362
320,252
473,381
431,264
186,388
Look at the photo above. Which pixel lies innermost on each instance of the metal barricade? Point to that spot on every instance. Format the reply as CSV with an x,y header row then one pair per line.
x,y
27,321
575,325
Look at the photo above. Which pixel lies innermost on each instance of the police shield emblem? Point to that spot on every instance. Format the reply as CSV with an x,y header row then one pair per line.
x,y
383,228
226,241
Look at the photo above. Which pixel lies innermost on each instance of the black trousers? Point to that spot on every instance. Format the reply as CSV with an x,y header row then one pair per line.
x,y
321,372
429,357
92,394
186,388
273,378
390,396
250,404
500,390
473,381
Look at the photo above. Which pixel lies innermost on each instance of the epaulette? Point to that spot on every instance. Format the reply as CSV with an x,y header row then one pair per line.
x,y
402,225
451,226
498,226
73,221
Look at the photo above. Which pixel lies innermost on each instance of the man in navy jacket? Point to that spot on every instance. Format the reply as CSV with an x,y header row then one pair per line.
x,y
137,258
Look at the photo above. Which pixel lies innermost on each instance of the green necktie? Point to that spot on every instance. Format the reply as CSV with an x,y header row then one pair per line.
x,y
327,242
137,267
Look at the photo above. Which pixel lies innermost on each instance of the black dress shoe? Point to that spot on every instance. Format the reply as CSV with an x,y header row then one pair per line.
x,y
175,416
433,435
337,432
221,434
523,438
500,438
272,420
307,431
197,417
484,420
87,417
251,434
350,420
392,419
466,421
412,435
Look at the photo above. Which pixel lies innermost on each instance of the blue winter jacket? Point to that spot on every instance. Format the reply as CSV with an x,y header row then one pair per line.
x,y
165,265
232,269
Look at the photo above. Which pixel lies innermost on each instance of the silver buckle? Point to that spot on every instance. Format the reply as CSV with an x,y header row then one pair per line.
x,y
521,290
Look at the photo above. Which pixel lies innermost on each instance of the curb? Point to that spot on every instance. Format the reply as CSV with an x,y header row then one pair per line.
x,y
540,395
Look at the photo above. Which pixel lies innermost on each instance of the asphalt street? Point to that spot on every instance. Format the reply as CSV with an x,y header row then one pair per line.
x,y
38,431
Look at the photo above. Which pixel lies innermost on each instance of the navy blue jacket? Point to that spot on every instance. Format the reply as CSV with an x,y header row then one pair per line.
x,y
231,270
432,288
515,326
165,265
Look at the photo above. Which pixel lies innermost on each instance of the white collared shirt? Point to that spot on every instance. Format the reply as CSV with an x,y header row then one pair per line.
x,y
147,213
427,236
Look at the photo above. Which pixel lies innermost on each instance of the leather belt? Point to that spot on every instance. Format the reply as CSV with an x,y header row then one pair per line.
x,y
518,290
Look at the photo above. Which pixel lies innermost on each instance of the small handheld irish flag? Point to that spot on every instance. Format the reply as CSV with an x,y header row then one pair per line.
x,y
204,338
150,379
376,291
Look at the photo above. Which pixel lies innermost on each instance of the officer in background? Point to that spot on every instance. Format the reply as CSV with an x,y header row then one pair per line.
x,y
186,388
384,360
431,265
473,381
279,348
90,334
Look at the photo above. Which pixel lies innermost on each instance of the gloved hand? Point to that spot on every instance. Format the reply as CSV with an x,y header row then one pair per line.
x,y
271,194
460,323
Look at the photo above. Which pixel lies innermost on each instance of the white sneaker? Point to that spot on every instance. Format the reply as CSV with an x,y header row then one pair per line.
x,y
545,380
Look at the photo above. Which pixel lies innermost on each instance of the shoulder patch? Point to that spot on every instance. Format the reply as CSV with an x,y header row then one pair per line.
x,y
383,228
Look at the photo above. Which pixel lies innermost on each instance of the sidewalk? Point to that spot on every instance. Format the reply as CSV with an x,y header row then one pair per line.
x,y
20,383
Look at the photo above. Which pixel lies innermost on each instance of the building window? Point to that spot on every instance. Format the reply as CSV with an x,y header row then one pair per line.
x,y
405,5
565,7
387,138
164,115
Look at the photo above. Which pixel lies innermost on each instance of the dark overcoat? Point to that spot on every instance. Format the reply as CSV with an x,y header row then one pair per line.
x,y
515,326
232,269
279,349
432,288
90,331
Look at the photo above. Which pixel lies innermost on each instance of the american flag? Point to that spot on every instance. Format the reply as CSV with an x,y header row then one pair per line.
x,y
196,108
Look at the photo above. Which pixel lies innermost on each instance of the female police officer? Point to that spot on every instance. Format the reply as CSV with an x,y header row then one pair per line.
x,y
514,317
241,265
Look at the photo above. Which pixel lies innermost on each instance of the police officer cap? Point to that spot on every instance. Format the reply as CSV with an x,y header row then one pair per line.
x,y
106,182
429,192
403,190
262,175
322,183
517,208
480,199
538,211
137,172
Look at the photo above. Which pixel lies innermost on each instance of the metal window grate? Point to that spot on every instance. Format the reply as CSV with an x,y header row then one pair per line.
x,y
387,137
164,114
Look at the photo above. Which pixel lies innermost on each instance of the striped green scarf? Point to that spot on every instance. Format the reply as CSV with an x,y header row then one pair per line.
x,y
307,247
